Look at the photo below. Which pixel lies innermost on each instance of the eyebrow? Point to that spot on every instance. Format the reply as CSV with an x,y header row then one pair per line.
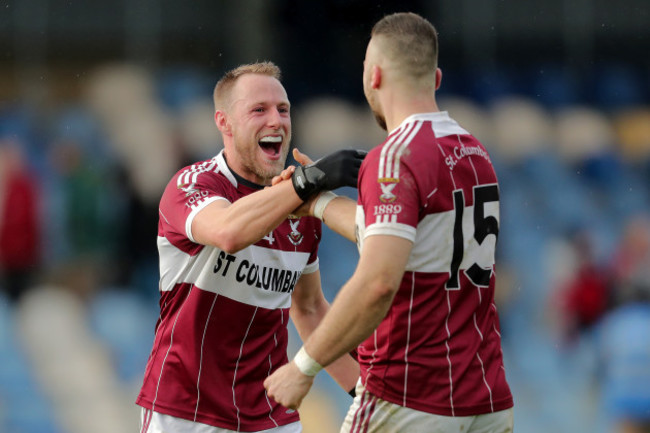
x,y
266,103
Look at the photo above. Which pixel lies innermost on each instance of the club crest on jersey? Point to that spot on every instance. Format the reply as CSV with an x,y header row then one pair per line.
x,y
188,189
387,186
295,237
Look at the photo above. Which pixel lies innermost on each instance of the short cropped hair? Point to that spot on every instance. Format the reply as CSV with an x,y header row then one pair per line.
x,y
224,86
410,42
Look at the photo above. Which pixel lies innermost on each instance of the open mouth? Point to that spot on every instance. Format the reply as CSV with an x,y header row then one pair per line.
x,y
271,144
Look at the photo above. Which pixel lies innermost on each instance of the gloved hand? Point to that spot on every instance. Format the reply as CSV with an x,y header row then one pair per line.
x,y
335,170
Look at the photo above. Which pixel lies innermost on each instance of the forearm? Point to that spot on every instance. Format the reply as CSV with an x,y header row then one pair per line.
x,y
339,215
246,220
353,317
364,300
345,369
262,211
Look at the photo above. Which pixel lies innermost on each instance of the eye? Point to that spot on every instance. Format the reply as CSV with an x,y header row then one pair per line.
x,y
258,109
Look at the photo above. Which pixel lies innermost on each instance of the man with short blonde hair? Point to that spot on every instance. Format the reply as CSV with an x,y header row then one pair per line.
x,y
224,86
234,267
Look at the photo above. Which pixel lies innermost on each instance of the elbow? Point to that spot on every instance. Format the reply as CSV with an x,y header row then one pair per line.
x,y
383,290
309,308
230,244
231,248
228,241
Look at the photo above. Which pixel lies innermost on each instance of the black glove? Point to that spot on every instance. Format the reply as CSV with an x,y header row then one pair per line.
x,y
333,171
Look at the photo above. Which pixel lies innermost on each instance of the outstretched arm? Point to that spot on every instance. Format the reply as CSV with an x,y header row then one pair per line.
x,y
231,227
357,310
308,307
337,213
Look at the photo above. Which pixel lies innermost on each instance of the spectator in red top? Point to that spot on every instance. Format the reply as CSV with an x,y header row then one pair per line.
x,y
19,227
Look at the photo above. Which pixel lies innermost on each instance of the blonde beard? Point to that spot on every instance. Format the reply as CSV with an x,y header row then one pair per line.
x,y
265,172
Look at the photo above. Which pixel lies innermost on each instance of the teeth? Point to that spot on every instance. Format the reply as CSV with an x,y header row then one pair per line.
x,y
270,139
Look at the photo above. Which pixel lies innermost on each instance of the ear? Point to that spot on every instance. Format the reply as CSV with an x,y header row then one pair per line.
x,y
222,123
375,77
438,78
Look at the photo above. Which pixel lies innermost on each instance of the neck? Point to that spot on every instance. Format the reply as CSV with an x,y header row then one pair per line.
x,y
399,106
241,179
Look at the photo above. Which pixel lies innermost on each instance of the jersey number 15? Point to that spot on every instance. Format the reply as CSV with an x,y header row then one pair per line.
x,y
483,226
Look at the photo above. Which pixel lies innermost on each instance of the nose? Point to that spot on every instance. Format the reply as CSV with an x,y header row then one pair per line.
x,y
274,119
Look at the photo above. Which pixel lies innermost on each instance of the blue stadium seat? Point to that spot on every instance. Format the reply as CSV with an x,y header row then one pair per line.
x,y
553,85
23,407
125,323
617,85
180,85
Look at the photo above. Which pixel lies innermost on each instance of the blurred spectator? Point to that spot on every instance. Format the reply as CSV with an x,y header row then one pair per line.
x,y
89,213
624,349
584,297
623,343
19,225
630,266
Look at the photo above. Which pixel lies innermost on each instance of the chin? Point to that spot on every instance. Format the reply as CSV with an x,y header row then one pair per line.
x,y
270,169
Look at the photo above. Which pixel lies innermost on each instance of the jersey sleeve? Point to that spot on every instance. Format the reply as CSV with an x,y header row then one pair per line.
x,y
391,204
181,202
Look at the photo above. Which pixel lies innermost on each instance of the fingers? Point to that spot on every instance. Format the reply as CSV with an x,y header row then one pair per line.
x,y
301,157
286,174
288,386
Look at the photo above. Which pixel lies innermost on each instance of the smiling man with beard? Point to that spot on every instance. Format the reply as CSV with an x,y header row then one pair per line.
x,y
234,268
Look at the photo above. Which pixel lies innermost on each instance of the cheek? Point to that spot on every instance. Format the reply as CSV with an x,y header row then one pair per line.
x,y
287,125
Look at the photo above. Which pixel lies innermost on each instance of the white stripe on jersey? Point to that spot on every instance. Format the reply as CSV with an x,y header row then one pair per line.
x,y
198,379
432,246
178,267
469,158
190,175
390,228
402,148
386,225
197,207
444,125
224,169
444,155
387,152
408,340
480,334
171,343
386,218
268,373
234,378
487,385
451,380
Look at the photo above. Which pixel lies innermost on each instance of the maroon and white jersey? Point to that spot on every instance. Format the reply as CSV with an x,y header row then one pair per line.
x,y
223,317
438,349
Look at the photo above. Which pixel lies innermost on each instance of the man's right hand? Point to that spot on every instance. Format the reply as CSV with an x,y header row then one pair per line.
x,y
340,168
301,158
305,209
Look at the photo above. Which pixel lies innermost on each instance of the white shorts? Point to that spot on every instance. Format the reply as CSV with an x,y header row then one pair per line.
x,y
154,422
388,417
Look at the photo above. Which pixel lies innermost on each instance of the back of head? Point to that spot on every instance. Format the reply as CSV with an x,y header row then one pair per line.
x,y
224,86
409,43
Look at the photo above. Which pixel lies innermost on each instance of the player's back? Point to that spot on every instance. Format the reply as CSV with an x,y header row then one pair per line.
x,y
438,349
